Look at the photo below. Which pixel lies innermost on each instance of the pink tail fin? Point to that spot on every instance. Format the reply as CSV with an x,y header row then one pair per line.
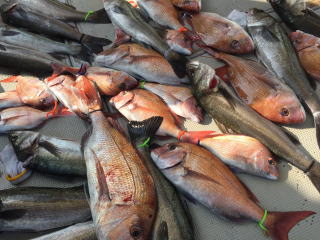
x,y
280,223
59,69
194,136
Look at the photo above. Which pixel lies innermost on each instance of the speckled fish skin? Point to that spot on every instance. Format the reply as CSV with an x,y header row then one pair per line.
x,y
62,11
34,92
221,33
155,10
307,47
15,36
139,105
48,154
179,99
188,5
21,118
243,154
263,91
224,106
80,231
171,220
119,184
206,180
139,62
10,99
33,209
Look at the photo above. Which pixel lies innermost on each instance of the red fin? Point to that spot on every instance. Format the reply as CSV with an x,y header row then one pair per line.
x,y
223,73
89,93
195,136
120,37
59,69
280,223
53,112
10,79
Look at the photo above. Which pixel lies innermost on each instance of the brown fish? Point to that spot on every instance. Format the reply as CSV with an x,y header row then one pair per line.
x,y
139,105
243,154
205,179
139,62
122,193
262,90
308,49
156,9
221,33
188,5
179,99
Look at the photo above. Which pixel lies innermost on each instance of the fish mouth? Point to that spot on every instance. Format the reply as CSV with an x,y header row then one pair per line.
x,y
192,67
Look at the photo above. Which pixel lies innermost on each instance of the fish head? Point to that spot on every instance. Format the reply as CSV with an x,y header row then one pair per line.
x,y
240,43
169,156
191,109
286,109
203,76
267,165
125,82
179,42
122,100
24,140
259,18
125,223
303,40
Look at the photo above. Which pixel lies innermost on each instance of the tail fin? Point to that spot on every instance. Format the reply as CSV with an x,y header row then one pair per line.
x,y
280,223
94,44
195,136
60,69
316,117
76,50
178,63
141,131
314,175
99,16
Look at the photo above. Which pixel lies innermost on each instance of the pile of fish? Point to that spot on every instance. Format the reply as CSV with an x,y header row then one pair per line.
x,y
142,87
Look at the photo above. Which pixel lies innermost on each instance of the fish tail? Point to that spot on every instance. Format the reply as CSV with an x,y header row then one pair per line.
x,y
99,16
178,63
60,69
278,224
144,130
314,175
94,44
316,117
195,136
77,50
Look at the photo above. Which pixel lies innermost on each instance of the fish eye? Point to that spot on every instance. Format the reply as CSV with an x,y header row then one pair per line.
x,y
284,112
136,231
122,86
271,162
172,147
235,44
